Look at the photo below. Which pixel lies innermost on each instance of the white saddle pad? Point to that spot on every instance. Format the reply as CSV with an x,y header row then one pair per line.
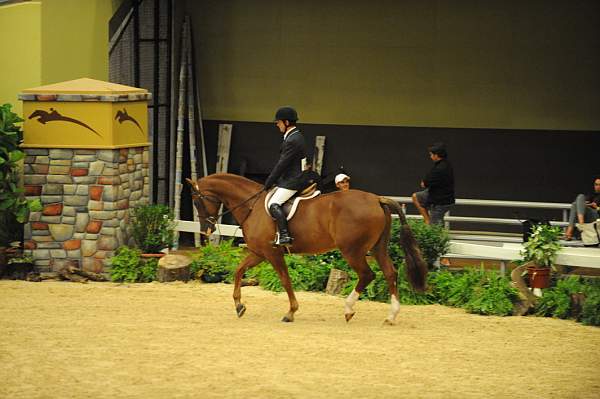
x,y
290,206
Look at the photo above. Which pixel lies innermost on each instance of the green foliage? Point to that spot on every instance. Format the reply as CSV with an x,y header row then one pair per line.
x,y
477,290
433,240
462,289
441,284
153,227
556,301
378,289
14,208
542,246
493,295
333,259
305,274
21,259
590,314
215,263
128,266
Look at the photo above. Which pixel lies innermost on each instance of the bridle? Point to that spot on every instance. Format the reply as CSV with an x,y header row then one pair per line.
x,y
212,220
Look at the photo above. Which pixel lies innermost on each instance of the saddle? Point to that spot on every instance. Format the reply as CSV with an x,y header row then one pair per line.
x,y
290,206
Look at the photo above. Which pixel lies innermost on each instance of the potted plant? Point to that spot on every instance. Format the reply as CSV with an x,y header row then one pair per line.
x,y
539,253
19,267
14,208
153,229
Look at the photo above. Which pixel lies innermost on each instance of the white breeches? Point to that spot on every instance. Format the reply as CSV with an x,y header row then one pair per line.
x,y
280,196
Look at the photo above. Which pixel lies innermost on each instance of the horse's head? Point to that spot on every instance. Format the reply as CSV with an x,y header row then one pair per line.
x,y
208,206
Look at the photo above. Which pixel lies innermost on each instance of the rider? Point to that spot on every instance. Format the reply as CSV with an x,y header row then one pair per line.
x,y
287,174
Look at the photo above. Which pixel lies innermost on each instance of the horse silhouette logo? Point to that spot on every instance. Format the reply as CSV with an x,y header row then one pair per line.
x,y
54,116
123,116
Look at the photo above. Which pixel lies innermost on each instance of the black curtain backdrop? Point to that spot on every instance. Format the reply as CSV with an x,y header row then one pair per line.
x,y
513,165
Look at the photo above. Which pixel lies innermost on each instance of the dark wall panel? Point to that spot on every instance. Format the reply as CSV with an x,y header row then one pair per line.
x,y
526,165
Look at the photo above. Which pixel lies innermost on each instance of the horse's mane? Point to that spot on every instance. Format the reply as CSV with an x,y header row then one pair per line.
x,y
233,179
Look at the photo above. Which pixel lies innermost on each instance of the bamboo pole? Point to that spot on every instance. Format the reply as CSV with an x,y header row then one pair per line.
x,y
197,102
180,129
191,120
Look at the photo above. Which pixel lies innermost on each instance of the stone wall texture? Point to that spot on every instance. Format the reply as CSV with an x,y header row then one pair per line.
x,y
86,197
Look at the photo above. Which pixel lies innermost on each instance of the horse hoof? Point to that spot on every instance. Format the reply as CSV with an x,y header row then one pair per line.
x,y
240,309
286,319
348,316
388,322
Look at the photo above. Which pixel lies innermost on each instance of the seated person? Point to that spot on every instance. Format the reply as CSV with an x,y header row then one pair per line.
x,y
342,182
585,207
438,194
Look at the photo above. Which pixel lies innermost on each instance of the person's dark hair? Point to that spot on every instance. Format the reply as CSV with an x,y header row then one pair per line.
x,y
286,114
438,149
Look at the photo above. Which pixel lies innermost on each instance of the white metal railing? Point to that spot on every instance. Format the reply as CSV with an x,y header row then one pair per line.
x,y
229,230
564,207
499,250
506,252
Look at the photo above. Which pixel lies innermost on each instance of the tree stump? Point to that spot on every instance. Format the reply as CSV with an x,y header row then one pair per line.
x,y
337,281
173,268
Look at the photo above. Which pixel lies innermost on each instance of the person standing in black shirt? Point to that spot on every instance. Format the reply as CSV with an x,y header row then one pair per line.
x,y
438,194
287,174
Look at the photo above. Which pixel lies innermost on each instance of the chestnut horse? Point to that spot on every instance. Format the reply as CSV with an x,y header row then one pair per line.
x,y
354,221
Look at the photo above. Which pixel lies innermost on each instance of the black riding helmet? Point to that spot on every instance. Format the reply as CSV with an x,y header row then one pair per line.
x,y
286,113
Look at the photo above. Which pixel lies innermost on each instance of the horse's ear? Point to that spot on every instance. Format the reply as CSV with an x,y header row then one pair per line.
x,y
192,183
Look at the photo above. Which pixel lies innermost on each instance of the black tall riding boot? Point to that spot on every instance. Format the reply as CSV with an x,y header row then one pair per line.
x,y
284,234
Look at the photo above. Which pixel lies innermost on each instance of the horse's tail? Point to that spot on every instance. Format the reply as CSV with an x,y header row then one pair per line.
x,y
416,268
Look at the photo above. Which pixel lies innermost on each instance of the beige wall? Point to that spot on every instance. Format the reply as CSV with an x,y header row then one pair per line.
x,y
75,39
505,64
51,41
21,63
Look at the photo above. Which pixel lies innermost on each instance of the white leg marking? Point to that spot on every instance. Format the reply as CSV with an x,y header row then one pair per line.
x,y
394,308
351,300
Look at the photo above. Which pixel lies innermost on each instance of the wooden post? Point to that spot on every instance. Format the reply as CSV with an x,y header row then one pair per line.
x,y
180,128
191,121
319,153
223,147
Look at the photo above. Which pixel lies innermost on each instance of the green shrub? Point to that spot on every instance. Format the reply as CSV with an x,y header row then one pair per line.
x,y
216,263
492,295
590,314
461,290
14,208
556,301
433,240
441,284
378,289
128,266
153,227
333,260
305,274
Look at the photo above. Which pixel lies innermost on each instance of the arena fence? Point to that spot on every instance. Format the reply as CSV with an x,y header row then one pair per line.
x,y
481,246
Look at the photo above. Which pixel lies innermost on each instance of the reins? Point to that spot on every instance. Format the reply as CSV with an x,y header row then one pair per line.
x,y
213,219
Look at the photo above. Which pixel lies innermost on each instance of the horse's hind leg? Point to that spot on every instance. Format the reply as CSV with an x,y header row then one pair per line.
x,y
391,275
249,261
280,267
365,276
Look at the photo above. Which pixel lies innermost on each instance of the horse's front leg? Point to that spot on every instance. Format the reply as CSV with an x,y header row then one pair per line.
x,y
365,275
249,261
278,263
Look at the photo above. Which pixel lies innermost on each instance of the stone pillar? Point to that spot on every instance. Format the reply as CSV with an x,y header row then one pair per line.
x,y
90,173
